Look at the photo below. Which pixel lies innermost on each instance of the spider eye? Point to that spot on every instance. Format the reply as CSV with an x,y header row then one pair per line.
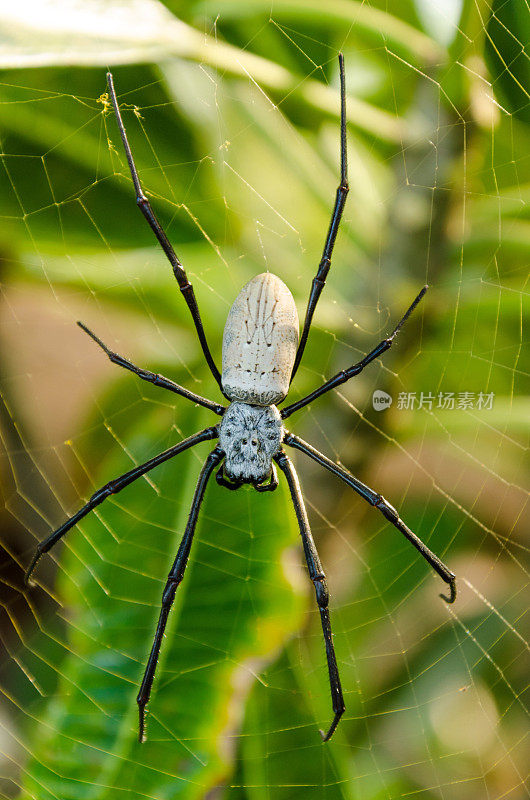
x,y
228,433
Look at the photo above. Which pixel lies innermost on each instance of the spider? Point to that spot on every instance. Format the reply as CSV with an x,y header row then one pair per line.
x,y
262,351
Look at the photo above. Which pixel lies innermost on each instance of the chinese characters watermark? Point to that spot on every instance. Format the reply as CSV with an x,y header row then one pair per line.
x,y
447,401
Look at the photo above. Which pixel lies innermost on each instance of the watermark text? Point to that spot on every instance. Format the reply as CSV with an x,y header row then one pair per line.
x,y
447,401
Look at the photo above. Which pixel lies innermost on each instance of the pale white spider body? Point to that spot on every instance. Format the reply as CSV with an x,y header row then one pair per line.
x,y
259,349
260,341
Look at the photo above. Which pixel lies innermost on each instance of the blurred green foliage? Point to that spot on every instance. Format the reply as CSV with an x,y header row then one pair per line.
x,y
233,120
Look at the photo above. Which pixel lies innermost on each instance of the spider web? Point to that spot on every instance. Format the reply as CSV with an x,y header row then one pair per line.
x,y
236,141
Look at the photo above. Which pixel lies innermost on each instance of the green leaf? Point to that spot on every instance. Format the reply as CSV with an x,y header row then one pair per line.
x,y
508,33
151,34
234,610
281,747
336,14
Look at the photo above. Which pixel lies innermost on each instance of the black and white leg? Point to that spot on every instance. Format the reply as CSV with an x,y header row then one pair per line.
x,y
378,501
269,484
175,576
318,577
229,483
153,377
319,280
113,487
345,374
145,207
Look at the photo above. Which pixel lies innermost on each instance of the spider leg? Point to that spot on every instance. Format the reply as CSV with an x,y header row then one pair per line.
x,y
175,576
345,374
318,577
145,207
113,487
154,378
319,280
223,480
270,484
384,506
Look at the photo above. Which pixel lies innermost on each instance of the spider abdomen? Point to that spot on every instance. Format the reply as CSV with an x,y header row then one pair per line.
x,y
259,342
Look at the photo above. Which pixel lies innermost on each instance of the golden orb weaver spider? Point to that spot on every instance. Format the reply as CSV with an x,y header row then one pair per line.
x,y
262,351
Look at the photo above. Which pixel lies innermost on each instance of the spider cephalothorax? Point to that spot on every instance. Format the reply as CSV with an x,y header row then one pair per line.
x,y
250,436
261,354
